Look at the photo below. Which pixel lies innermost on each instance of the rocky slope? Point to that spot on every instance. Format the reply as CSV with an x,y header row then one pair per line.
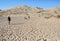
x,y
55,12
30,24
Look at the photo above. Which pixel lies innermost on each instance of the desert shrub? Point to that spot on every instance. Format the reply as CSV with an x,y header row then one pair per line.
x,y
58,16
47,17
45,40
29,17
25,17
2,12
39,11
56,12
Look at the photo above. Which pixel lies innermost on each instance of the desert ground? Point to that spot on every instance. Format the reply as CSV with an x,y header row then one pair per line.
x,y
33,26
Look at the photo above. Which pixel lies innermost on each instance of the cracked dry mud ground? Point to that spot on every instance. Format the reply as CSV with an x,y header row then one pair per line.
x,y
33,29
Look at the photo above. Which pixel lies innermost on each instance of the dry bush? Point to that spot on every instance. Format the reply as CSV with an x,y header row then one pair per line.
x,y
56,12
58,16
47,17
29,17
2,12
25,17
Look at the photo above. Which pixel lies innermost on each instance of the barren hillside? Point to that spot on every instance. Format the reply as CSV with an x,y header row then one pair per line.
x,y
30,24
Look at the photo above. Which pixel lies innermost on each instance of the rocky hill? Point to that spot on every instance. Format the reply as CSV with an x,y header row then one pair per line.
x,y
21,10
30,24
55,12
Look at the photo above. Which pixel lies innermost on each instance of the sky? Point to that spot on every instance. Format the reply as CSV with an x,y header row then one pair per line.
x,y
5,4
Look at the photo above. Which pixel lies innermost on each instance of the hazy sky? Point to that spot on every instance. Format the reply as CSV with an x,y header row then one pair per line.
x,y
4,4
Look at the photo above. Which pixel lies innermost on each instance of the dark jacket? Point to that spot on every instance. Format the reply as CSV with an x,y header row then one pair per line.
x,y
9,19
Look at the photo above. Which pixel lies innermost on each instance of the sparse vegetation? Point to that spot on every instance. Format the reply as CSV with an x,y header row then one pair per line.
x,y
58,16
29,17
28,25
2,12
56,12
45,40
25,17
47,17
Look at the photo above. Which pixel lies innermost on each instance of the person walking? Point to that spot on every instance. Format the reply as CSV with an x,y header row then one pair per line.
x,y
9,20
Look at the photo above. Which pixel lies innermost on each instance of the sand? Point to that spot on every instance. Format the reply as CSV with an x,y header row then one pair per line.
x,y
30,27
30,24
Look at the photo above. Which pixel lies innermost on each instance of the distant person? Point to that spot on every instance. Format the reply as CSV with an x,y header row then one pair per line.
x,y
9,19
